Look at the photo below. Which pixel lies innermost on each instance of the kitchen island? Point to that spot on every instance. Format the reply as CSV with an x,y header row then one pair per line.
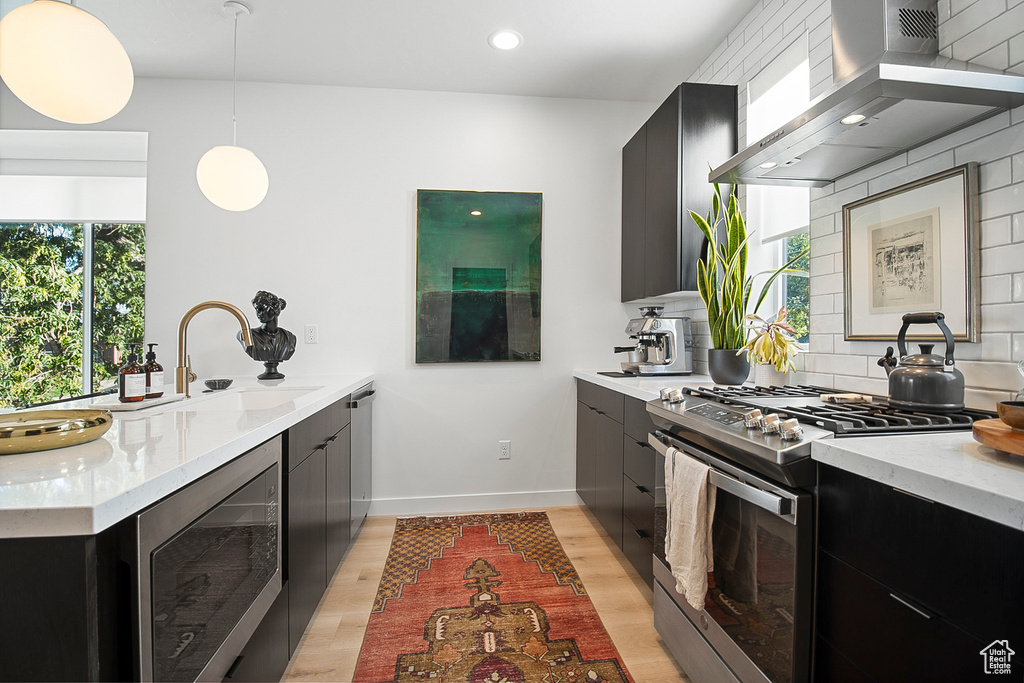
x,y
151,453
69,529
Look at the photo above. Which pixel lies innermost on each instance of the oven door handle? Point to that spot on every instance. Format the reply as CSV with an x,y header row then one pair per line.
x,y
763,499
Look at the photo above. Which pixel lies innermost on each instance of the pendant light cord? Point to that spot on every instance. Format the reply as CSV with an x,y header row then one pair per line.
x,y
234,82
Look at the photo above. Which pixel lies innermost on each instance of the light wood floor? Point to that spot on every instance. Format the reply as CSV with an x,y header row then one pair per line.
x,y
330,647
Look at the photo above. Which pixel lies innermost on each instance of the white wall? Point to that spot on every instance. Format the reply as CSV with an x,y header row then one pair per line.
x,y
336,238
990,33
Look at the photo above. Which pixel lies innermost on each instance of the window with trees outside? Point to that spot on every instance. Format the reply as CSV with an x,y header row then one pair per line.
x,y
72,261
72,300
777,94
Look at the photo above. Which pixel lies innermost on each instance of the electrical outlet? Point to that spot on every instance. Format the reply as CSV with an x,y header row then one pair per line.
x,y
312,334
504,450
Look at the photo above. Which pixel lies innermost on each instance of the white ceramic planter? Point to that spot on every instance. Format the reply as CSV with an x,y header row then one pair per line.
x,y
766,375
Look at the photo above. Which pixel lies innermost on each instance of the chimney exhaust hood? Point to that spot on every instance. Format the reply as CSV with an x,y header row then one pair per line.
x,y
886,69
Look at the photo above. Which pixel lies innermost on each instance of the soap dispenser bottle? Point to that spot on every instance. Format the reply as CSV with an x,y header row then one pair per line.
x,y
154,375
131,380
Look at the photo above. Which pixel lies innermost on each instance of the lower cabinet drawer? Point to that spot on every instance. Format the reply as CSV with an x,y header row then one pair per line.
x,y
638,506
639,550
888,636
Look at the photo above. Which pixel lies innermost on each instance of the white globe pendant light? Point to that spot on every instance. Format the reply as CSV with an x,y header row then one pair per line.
x,y
64,62
232,177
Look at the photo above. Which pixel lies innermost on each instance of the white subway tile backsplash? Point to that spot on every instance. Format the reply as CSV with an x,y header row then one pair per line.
x,y
1018,227
829,323
1002,201
997,289
821,304
915,171
824,225
961,137
1018,347
879,169
841,365
996,232
996,174
821,265
972,44
1003,317
835,201
1018,288
1002,143
994,347
1005,259
819,343
827,244
827,284
1016,46
861,384
1017,167
968,18
981,399
990,375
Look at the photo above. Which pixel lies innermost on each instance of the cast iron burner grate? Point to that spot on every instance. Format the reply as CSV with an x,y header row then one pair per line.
x,y
720,393
878,417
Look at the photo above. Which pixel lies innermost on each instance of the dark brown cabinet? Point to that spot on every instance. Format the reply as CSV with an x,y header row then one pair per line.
x,y
317,516
665,174
910,589
615,470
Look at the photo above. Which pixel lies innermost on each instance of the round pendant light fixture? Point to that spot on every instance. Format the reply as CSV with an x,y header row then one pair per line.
x,y
64,62
232,177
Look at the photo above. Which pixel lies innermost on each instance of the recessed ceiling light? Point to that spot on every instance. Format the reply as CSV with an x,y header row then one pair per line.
x,y
852,119
505,40
768,164
476,212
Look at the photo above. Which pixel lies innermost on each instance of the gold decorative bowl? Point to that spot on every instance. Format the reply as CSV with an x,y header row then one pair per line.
x,y
41,430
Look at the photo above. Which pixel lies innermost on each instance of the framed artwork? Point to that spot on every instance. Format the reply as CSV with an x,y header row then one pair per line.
x,y
477,276
915,248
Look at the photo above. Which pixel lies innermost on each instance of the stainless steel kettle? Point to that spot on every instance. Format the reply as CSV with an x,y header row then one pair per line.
x,y
924,381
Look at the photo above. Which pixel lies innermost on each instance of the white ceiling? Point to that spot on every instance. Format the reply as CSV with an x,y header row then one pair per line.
x,y
635,50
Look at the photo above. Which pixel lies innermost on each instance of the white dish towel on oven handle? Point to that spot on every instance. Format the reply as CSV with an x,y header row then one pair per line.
x,y
690,510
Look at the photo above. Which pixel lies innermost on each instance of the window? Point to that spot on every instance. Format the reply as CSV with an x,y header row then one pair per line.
x,y
72,298
781,215
72,260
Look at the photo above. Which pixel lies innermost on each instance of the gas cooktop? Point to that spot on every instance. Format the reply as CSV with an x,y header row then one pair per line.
x,y
858,418
770,429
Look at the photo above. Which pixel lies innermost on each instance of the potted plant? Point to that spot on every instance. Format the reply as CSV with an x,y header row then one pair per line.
x,y
725,287
771,349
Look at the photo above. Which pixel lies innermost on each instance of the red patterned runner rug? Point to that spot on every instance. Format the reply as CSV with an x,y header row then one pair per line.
x,y
484,599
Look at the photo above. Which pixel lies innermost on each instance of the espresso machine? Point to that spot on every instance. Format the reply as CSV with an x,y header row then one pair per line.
x,y
664,346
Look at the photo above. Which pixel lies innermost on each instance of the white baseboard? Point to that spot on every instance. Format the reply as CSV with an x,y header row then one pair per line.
x,y
484,502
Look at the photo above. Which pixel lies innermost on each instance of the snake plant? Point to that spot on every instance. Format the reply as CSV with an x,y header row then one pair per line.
x,y
722,278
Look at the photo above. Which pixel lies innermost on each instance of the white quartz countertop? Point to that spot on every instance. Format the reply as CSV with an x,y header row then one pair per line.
x,y
150,453
643,388
952,469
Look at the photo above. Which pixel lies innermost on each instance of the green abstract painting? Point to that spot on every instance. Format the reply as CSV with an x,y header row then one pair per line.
x,y
477,276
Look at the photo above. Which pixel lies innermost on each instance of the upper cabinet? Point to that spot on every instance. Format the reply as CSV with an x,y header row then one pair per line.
x,y
664,175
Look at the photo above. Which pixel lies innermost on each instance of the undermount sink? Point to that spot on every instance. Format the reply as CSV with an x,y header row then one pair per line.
x,y
252,399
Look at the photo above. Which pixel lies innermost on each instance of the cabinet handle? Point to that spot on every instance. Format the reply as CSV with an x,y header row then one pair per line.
x,y
234,666
642,489
599,412
640,534
643,444
912,495
906,603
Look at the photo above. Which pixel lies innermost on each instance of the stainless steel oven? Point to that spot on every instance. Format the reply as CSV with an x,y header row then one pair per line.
x,y
756,624
756,620
208,568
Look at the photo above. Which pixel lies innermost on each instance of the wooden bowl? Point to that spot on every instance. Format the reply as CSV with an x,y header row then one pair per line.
x,y
1012,413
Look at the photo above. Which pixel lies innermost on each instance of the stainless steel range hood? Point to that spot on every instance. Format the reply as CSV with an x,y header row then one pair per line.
x,y
886,68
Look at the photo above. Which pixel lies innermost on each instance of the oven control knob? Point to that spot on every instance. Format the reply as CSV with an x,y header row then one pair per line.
x,y
752,419
771,424
676,396
791,430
